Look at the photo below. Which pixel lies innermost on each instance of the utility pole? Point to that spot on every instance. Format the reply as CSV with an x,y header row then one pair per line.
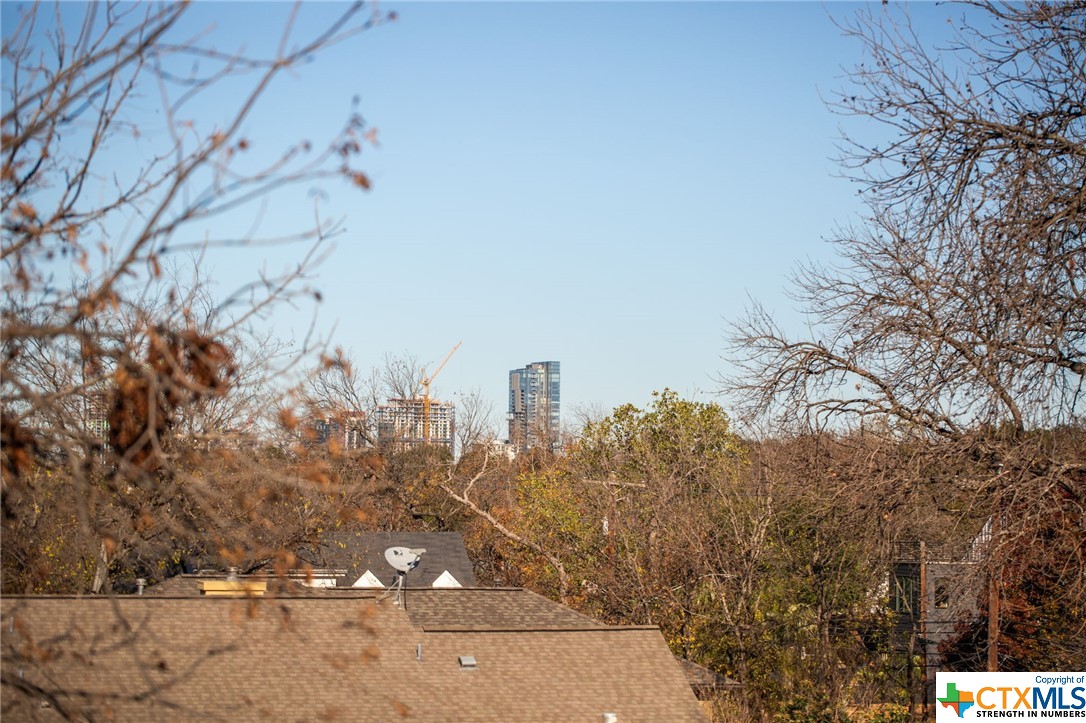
x,y
993,592
924,628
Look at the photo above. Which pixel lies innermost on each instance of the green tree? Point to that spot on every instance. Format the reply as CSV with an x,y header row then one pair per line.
x,y
676,517
675,439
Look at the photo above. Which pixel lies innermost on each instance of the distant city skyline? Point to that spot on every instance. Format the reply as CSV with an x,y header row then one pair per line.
x,y
592,182
579,181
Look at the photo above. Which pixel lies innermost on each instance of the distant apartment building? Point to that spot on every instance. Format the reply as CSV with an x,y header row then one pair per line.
x,y
346,429
96,409
400,423
535,405
502,448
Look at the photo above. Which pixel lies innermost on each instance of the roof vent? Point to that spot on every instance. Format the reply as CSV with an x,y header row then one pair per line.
x,y
468,662
610,718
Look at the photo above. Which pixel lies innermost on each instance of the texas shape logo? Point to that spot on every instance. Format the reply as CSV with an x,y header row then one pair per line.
x,y
958,700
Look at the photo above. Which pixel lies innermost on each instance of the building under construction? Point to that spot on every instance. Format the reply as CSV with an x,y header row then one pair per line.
x,y
406,423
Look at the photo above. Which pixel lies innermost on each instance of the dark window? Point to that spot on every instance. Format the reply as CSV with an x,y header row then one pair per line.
x,y
905,598
942,595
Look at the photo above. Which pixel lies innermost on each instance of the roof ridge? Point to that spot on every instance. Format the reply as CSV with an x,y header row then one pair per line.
x,y
537,629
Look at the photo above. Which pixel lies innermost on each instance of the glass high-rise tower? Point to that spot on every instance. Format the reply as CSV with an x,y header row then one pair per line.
x,y
535,393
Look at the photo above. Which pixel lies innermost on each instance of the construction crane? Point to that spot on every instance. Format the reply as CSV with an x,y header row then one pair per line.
x,y
426,380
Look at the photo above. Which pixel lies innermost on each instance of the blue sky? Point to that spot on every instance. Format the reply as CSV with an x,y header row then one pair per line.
x,y
602,184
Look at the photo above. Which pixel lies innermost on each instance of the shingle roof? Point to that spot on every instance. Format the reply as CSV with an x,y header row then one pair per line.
x,y
173,586
706,683
358,551
491,609
344,657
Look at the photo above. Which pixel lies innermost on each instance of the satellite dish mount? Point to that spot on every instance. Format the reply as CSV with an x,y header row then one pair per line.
x,y
403,560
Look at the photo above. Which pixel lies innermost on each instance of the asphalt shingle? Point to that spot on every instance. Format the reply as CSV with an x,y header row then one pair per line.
x,y
345,656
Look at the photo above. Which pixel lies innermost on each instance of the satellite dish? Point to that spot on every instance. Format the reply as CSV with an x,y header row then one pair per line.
x,y
404,559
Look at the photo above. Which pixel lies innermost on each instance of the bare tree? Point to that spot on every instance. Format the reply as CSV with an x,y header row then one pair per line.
x,y
331,394
960,299
110,360
397,377
474,421
335,388
259,358
954,319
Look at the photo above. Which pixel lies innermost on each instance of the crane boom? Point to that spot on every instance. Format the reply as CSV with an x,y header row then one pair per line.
x,y
426,381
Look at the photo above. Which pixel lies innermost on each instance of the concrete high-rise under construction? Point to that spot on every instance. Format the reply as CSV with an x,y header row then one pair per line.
x,y
535,393
401,423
